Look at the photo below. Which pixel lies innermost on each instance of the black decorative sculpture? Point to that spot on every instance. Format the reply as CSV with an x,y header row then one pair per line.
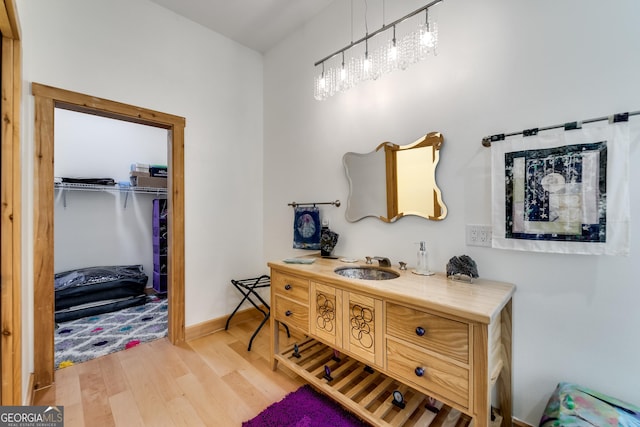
x,y
296,351
327,374
398,399
328,241
462,266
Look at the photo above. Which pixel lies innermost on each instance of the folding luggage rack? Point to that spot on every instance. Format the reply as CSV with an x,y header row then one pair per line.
x,y
247,287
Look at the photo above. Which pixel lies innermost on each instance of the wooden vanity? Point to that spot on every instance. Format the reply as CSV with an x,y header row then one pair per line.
x,y
443,344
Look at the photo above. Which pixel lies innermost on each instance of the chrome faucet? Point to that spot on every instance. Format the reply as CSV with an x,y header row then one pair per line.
x,y
382,261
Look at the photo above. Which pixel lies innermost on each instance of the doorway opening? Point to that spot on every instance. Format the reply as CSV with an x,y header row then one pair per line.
x,y
110,250
47,99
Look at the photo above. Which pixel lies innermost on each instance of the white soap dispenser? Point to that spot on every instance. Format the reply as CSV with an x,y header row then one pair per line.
x,y
423,262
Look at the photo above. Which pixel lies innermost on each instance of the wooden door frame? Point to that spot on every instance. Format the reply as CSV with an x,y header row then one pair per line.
x,y
46,100
11,214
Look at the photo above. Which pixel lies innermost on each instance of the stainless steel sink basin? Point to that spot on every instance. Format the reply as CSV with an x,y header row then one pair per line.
x,y
366,273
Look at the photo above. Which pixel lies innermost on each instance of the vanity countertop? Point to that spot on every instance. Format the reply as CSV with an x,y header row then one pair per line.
x,y
479,301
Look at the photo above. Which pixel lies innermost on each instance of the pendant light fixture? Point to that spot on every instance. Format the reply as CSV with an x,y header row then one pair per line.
x,y
396,53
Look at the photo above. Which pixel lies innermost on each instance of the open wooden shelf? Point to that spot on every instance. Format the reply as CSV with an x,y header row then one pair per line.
x,y
367,393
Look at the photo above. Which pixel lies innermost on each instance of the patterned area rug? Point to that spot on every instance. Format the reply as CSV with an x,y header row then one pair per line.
x,y
305,407
94,336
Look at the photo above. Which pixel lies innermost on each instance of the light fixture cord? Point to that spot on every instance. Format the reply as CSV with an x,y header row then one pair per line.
x,y
366,24
351,21
383,14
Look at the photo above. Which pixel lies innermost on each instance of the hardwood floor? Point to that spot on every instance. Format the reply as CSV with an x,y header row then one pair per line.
x,y
210,381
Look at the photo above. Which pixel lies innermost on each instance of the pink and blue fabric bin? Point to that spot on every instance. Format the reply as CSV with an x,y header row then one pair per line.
x,y
572,405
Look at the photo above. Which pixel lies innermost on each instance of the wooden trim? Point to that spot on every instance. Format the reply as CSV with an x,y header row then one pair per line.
x,y
391,167
480,396
9,24
82,103
175,226
519,423
31,390
43,243
17,222
214,325
5,24
505,383
10,211
437,210
48,98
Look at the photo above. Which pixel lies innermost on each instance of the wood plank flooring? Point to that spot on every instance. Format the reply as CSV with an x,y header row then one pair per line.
x,y
210,381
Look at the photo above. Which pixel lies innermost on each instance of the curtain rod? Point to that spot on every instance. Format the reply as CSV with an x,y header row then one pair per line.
x,y
335,203
615,118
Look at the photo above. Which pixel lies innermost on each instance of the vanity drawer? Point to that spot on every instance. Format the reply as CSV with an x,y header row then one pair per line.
x,y
293,287
430,373
439,334
292,314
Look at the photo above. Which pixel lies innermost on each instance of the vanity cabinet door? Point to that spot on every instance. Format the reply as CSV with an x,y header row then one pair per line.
x,y
326,316
362,327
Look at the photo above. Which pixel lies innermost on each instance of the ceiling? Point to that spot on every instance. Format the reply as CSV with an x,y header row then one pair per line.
x,y
257,24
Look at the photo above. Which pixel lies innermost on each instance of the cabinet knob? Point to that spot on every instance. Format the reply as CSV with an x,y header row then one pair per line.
x,y
420,331
288,313
287,287
419,371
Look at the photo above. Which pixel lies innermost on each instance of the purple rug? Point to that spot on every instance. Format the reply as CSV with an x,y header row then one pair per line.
x,y
305,407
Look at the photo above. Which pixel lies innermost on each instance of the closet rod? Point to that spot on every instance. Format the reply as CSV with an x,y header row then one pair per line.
x,y
615,118
335,203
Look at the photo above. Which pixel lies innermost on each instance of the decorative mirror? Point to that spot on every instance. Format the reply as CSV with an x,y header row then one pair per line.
x,y
394,181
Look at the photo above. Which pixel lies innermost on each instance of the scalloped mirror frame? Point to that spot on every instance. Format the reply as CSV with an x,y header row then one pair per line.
x,y
395,181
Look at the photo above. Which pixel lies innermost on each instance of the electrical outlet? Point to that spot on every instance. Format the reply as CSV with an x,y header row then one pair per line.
x,y
479,235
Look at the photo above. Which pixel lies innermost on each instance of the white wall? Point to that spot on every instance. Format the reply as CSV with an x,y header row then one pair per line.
x,y
503,66
136,52
104,227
